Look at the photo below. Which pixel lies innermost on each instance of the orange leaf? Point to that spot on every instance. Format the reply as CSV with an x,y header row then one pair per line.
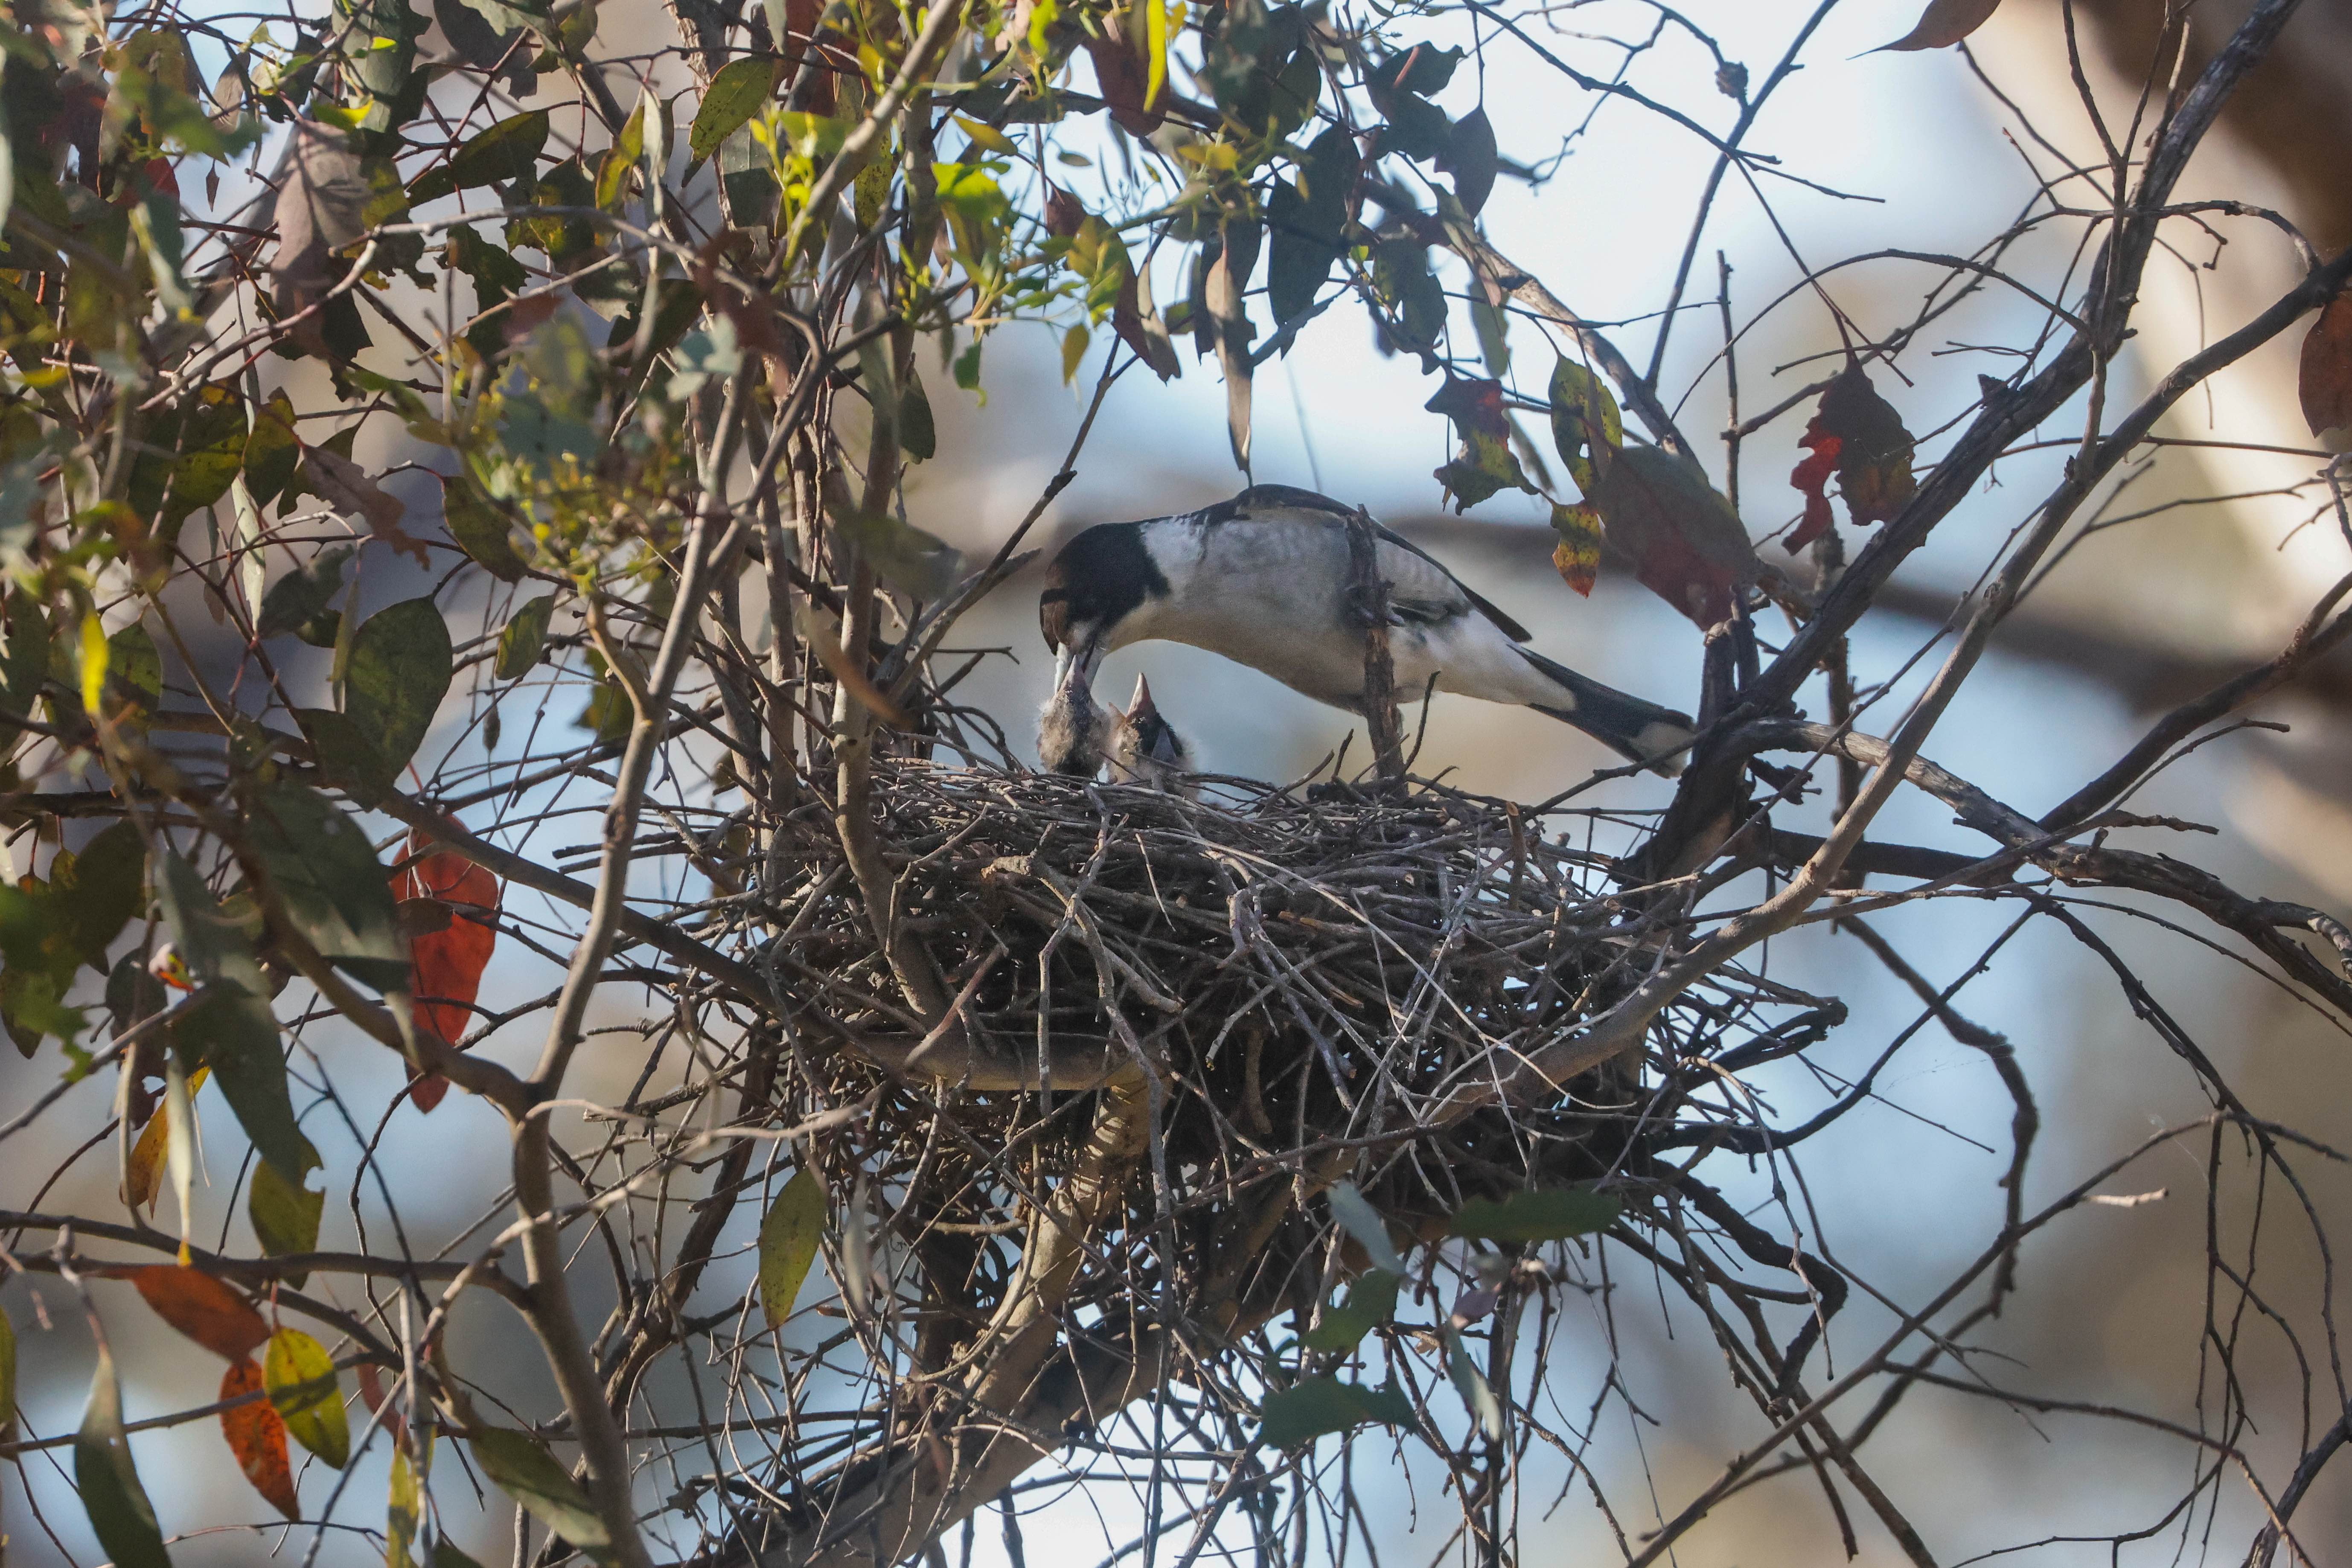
x,y
1576,556
256,1435
446,964
213,1314
2323,379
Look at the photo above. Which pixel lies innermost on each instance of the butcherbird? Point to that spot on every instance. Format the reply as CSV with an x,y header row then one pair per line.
x,y
1264,579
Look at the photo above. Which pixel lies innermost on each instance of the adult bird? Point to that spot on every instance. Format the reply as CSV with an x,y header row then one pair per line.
x,y
1264,579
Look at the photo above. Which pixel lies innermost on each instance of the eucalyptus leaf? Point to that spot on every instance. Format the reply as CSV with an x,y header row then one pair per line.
x,y
400,668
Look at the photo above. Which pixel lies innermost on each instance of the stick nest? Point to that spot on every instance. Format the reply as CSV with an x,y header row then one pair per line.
x,y
1302,972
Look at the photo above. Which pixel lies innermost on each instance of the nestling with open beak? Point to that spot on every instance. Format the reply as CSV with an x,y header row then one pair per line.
x,y
1264,579
1146,749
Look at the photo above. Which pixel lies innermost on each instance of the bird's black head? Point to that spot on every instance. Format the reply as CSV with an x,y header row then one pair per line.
x,y
1100,578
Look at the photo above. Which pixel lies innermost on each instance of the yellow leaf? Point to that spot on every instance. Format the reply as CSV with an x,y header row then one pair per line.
x,y
788,1238
93,662
149,1154
987,137
301,1382
1155,48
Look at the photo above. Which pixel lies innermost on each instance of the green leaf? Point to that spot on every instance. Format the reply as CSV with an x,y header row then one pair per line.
x,y
107,884
481,530
25,662
612,174
922,563
526,1473
347,755
399,670
789,1233
236,1036
271,452
1471,1383
1315,1407
1402,277
209,943
189,457
917,435
1306,225
524,636
1363,1222
1074,351
608,714
507,15
1419,69
300,1378
285,1215
133,667
327,875
1586,427
379,52
734,96
120,1513
299,596
504,153
1371,1302
404,1510
1537,1215
704,356
448,1556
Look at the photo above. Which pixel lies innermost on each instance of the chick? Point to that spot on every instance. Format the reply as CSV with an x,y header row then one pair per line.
x,y
1145,749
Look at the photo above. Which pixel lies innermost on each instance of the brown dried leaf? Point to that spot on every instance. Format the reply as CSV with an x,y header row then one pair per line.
x,y
321,208
2323,380
345,486
1944,24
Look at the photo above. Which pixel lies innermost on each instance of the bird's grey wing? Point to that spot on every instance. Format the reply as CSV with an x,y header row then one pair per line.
x,y
1423,582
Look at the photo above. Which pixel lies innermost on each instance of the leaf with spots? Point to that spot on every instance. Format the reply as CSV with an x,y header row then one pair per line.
x,y
1484,462
1576,556
258,1438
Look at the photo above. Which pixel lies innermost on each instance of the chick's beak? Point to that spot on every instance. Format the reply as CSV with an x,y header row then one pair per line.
x,y
1074,665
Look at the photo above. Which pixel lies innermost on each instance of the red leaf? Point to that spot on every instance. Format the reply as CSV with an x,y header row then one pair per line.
x,y
1812,476
446,964
1063,212
372,1390
2323,380
213,1314
1863,436
256,1435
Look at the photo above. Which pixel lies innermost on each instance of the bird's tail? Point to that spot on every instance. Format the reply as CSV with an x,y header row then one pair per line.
x,y
1642,730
